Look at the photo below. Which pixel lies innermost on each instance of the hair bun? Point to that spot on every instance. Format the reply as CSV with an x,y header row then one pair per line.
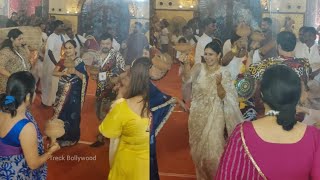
x,y
287,116
9,100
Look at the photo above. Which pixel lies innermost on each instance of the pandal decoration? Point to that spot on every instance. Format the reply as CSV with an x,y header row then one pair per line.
x,y
54,129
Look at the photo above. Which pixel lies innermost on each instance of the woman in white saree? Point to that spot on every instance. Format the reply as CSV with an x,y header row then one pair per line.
x,y
214,110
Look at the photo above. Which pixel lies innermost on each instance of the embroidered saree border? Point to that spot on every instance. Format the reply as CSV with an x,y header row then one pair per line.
x,y
249,154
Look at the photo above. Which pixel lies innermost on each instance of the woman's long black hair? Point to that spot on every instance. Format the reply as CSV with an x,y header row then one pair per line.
x,y
19,85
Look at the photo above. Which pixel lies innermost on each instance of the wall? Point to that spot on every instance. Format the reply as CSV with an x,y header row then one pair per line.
x,y
65,10
167,9
4,7
27,5
169,14
69,20
278,20
64,7
286,6
279,10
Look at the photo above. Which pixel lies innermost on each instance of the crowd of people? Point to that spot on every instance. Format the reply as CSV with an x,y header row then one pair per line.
x,y
236,130
212,73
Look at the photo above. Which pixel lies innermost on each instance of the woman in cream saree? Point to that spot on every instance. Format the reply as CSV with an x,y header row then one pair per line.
x,y
214,110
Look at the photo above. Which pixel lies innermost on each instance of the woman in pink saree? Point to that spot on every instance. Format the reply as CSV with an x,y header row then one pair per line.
x,y
275,146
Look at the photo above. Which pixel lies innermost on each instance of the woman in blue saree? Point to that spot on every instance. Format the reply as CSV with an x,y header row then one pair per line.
x,y
161,106
71,93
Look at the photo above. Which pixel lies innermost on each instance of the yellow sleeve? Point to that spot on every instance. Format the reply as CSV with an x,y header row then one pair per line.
x,y
111,126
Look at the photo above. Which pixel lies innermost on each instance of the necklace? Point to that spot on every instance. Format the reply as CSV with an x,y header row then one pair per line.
x,y
21,60
212,69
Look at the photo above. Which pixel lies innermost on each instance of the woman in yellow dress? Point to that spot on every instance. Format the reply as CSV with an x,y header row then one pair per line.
x,y
127,126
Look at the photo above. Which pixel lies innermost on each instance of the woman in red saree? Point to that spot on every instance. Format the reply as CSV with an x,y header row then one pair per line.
x,y
275,146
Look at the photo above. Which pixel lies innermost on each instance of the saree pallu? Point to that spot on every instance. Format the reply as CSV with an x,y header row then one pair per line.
x,y
69,102
236,161
161,106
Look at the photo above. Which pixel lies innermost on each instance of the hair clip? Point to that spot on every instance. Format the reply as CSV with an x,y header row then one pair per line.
x,y
9,100
272,113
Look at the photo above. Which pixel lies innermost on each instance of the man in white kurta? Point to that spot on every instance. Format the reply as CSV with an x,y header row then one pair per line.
x,y
52,57
310,50
188,36
209,28
37,69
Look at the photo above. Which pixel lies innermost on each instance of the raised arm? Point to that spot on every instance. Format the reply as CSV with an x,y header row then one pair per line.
x,y
188,74
56,72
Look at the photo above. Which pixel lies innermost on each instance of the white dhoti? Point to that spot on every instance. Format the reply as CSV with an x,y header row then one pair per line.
x,y
49,83
37,71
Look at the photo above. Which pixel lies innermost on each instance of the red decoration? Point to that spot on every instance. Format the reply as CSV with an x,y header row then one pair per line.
x,y
28,6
